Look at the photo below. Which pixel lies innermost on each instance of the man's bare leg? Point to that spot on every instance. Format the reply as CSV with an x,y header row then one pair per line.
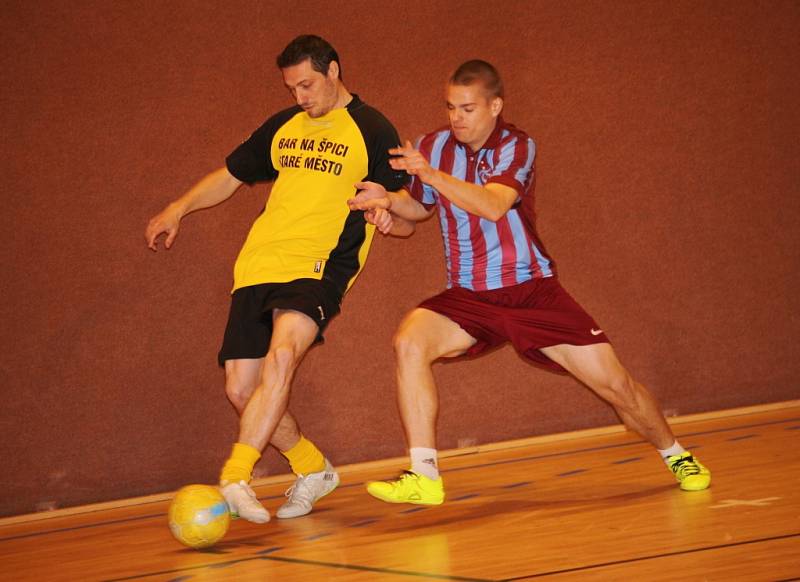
x,y
293,333
424,336
598,367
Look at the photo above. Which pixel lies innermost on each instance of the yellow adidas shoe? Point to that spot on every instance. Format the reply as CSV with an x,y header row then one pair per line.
x,y
689,472
409,488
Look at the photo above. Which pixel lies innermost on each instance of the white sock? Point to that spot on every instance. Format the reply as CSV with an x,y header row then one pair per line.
x,y
675,449
423,462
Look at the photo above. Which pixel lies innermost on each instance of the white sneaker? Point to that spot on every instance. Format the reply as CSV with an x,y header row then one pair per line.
x,y
307,490
243,503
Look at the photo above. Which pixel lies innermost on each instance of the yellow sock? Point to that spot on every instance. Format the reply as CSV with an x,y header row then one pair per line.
x,y
304,457
239,466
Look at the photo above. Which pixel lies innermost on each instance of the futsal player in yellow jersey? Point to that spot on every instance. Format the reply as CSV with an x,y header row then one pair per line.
x,y
300,257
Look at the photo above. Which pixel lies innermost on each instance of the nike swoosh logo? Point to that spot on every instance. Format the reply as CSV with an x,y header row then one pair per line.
x,y
596,331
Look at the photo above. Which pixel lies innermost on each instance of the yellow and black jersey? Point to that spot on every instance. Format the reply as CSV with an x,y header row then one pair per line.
x,y
306,229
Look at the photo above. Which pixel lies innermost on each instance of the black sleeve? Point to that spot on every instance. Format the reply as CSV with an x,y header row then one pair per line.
x,y
251,161
379,135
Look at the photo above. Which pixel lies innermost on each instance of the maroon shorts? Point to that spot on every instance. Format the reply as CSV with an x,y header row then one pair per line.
x,y
531,315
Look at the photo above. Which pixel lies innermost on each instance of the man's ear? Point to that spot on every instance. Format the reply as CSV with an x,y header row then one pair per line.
x,y
497,106
333,70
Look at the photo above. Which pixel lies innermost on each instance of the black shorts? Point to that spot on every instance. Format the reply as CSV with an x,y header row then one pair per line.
x,y
249,328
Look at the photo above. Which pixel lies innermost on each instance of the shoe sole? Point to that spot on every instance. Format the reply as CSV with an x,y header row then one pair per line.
x,y
701,487
413,502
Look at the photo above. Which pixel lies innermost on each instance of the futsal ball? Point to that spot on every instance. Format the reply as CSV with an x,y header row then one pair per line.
x,y
198,516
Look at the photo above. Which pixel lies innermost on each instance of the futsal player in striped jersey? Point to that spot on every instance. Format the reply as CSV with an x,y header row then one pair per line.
x,y
477,176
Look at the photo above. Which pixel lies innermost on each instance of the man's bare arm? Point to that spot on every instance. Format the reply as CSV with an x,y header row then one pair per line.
x,y
216,187
490,202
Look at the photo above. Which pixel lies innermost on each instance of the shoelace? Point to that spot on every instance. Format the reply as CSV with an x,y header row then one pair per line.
x,y
300,491
247,490
405,475
249,498
685,467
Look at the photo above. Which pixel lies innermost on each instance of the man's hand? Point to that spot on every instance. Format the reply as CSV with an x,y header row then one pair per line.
x,y
167,222
381,218
412,161
374,201
370,195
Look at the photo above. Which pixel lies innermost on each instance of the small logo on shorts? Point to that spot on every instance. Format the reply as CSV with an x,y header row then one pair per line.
x,y
321,312
317,266
596,331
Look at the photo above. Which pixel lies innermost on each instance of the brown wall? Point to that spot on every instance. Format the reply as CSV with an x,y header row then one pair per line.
x,y
667,191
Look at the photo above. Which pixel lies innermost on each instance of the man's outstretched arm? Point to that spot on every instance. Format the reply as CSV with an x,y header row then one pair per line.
x,y
216,187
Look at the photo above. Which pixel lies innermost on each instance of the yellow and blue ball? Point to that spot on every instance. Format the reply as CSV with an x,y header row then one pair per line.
x,y
199,516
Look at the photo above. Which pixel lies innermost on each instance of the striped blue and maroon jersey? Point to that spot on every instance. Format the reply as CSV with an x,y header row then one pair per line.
x,y
482,254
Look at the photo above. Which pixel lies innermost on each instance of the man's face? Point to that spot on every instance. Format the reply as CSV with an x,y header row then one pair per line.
x,y
314,92
473,114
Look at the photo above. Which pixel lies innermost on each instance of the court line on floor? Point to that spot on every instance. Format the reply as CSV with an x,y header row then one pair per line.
x,y
84,526
409,573
359,484
646,558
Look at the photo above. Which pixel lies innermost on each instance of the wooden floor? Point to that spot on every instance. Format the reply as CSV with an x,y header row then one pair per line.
x,y
596,506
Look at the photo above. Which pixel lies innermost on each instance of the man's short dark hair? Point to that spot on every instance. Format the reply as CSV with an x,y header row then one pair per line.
x,y
312,47
479,71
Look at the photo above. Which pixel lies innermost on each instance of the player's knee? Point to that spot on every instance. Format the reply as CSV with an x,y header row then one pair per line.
x,y
238,390
409,346
282,358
